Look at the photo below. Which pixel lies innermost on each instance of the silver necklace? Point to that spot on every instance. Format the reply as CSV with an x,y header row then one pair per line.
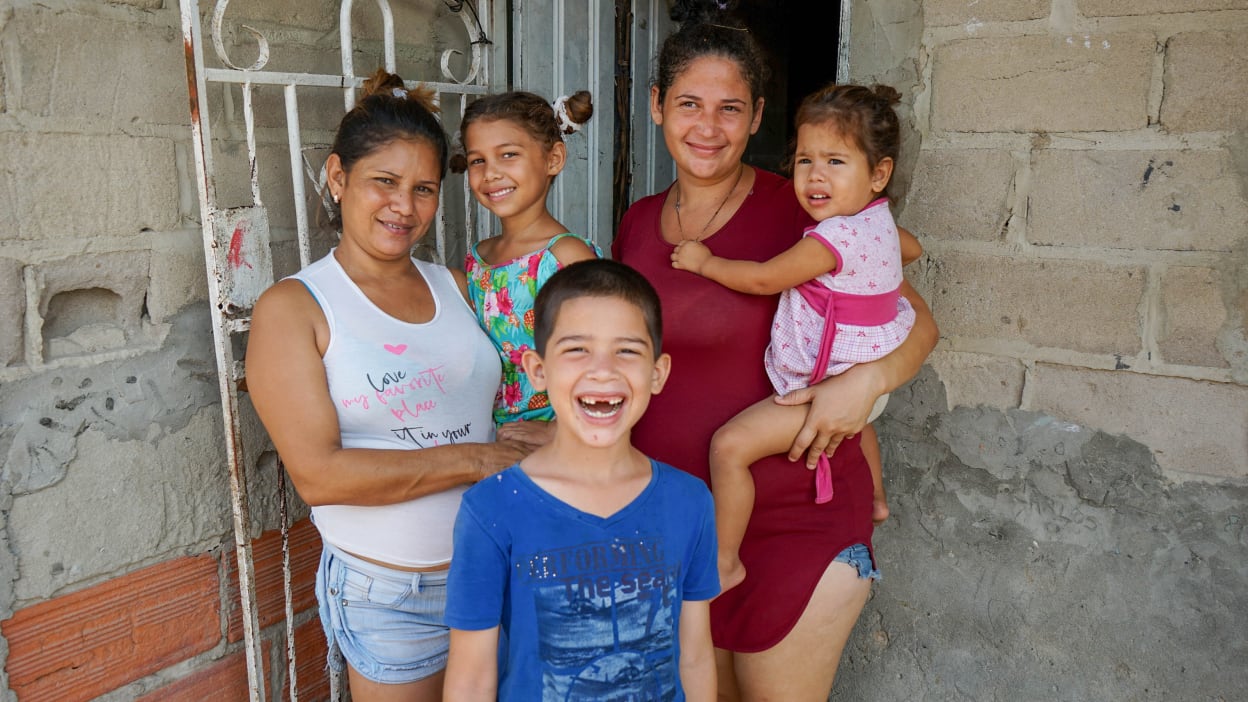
x,y
680,225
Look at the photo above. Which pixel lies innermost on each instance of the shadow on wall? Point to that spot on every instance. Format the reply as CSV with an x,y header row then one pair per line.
x,y
1032,559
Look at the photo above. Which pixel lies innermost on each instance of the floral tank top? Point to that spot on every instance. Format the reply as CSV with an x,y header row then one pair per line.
x,y
503,296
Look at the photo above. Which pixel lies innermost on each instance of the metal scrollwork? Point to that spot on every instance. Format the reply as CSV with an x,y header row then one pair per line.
x,y
473,25
218,15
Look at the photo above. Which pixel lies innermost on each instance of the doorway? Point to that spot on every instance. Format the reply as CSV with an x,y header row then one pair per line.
x,y
801,40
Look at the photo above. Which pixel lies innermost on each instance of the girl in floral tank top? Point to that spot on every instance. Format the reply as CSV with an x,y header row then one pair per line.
x,y
512,150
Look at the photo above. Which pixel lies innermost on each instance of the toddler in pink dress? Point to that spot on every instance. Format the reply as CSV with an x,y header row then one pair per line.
x,y
839,302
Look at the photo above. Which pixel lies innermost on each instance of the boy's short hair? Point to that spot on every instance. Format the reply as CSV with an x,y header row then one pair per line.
x,y
598,277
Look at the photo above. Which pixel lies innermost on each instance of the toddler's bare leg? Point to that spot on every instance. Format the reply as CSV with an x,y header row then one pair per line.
x,y
871,451
760,430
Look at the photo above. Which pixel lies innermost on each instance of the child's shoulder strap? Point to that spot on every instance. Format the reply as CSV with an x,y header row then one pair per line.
x,y
556,238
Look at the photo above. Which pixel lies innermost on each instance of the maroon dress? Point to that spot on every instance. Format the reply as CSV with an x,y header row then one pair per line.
x,y
716,338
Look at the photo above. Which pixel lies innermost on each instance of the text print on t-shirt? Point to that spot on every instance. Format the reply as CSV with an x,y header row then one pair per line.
x,y
407,395
605,619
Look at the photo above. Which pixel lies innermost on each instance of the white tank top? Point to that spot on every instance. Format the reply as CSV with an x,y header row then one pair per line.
x,y
402,386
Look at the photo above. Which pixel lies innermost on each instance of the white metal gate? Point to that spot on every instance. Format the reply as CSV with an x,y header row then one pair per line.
x,y
557,46
237,240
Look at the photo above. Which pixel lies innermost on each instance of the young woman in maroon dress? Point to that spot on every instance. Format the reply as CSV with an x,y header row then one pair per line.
x,y
779,634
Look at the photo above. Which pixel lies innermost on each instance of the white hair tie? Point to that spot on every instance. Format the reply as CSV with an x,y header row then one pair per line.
x,y
399,93
566,125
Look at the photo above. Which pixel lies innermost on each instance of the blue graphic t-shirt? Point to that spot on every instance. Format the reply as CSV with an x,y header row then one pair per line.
x,y
588,607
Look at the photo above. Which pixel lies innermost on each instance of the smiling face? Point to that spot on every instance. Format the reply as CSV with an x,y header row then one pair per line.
x,y
388,198
707,116
831,174
508,170
599,370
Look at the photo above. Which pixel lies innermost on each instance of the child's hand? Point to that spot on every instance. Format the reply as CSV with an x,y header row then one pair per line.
x,y
690,256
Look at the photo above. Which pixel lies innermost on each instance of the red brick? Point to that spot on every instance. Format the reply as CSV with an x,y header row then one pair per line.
x,y
82,645
224,680
266,553
310,671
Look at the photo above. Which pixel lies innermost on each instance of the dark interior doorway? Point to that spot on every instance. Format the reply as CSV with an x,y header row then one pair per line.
x,y
800,38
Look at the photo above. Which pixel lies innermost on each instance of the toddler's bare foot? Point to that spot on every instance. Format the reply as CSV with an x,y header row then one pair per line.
x,y
879,509
731,572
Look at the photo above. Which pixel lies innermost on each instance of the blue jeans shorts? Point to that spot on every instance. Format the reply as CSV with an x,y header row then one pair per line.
x,y
858,556
387,624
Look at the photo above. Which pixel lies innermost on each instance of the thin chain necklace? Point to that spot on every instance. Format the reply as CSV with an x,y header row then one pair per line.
x,y
680,225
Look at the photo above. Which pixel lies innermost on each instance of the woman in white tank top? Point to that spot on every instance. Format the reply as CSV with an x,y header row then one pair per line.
x,y
376,384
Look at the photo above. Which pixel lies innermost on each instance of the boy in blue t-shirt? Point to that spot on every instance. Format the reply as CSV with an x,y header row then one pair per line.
x,y
585,572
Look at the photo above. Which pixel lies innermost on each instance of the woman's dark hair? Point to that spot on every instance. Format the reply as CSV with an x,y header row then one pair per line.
x,y
709,28
864,115
389,111
528,111
386,112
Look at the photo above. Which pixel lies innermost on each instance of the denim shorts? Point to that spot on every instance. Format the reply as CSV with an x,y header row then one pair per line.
x,y
387,624
858,556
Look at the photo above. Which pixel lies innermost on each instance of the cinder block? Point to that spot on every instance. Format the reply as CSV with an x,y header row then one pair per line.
x,y
101,187
307,14
12,312
224,680
1077,305
110,492
91,295
178,277
1206,84
319,108
945,12
82,645
1168,200
975,379
266,553
1043,83
234,183
1193,315
1118,8
960,194
57,56
1191,426
420,23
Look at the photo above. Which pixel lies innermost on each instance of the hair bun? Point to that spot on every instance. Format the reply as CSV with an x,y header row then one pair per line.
x,y
383,82
458,162
886,93
573,111
702,10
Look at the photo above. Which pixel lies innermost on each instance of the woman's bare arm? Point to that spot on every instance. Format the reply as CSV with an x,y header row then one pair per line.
x,y
840,405
287,383
910,247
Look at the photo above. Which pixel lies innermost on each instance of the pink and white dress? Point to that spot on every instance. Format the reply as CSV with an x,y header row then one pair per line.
x,y
853,314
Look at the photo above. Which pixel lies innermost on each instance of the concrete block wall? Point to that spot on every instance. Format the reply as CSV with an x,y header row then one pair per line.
x,y
1082,192
117,569
1068,476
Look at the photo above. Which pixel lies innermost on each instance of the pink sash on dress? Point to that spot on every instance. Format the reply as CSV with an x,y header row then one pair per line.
x,y
833,306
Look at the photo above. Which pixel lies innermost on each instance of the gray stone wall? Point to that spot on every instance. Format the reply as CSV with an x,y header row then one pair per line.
x,y
1069,476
